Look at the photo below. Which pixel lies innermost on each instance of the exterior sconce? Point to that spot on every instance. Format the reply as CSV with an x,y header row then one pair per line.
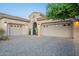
x,y
76,24
5,23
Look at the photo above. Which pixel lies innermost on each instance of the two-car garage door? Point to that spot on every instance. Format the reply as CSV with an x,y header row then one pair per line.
x,y
56,30
16,29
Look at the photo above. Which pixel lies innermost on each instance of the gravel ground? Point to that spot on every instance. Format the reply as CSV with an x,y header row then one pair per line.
x,y
37,46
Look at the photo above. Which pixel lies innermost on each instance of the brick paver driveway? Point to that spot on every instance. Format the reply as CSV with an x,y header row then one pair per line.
x,y
41,46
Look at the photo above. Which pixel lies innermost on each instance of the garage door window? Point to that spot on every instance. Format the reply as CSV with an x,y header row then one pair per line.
x,y
45,25
67,24
20,26
17,25
11,25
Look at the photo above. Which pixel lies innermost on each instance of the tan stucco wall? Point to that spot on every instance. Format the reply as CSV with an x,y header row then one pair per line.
x,y
0,23
76,34
76,40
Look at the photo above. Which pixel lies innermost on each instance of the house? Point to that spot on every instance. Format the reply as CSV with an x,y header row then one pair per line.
x,y
37,24
43,27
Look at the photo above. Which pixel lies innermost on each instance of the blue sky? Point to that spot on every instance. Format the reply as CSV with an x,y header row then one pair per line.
x,y
22,9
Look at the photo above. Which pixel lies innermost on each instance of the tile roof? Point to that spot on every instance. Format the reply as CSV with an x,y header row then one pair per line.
x,y
3,15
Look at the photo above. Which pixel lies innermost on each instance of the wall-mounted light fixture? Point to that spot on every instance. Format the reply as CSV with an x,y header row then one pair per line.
x,y
5,23
76,24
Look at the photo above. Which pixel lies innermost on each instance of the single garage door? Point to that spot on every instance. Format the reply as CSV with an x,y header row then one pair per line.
x,y
16,29
56,30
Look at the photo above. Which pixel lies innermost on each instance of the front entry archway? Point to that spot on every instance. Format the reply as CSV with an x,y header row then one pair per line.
x,y
35,30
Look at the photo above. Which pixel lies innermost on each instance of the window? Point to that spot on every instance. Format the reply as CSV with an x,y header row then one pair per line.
x,y
45,25
20,26
69,24
11,25
64,24
15,25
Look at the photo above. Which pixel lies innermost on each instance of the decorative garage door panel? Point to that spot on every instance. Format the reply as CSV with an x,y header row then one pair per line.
x,y
56,30
16,29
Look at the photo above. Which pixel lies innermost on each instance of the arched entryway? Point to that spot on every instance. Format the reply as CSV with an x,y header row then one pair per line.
x,y
35,30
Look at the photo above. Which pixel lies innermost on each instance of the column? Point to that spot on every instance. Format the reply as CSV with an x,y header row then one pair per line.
x,y
39,30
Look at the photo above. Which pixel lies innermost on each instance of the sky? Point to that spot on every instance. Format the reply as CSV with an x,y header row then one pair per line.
x,y
22,9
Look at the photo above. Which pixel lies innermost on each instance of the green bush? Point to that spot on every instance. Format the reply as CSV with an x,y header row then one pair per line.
x,y
2,32
2,36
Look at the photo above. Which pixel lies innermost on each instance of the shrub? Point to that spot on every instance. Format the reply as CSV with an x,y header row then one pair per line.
x,y
2,37
2,32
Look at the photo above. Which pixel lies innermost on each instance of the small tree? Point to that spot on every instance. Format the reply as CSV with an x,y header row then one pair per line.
x,y
62,10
